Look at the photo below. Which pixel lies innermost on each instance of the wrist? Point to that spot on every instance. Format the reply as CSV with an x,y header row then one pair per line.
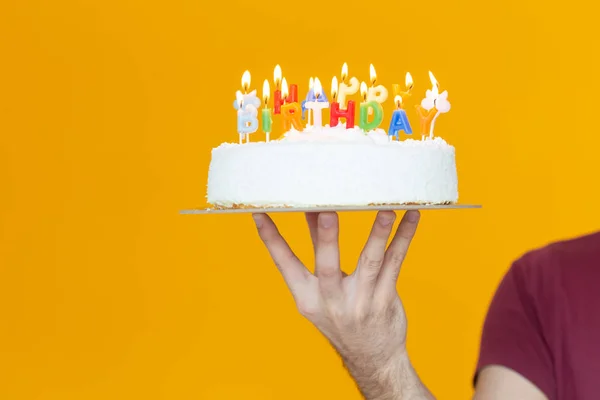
x,y
395,380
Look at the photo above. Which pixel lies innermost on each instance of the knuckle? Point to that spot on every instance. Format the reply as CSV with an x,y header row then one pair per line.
x,y
307,309
397,257
327,272
371,262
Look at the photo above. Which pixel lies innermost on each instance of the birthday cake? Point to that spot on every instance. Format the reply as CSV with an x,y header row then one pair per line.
x,y
348,162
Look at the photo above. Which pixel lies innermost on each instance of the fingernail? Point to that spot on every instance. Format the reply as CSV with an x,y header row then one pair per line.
x,y
326,220
385,219
258,220
412,216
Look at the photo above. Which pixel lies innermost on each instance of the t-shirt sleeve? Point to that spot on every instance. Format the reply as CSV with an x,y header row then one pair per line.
x,y
512,335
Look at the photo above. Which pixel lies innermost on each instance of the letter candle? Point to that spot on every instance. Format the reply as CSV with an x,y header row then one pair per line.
x,y
375,93
399,121
344,89
310,96
247,122
431,106
335,113
291,112
318,104
365,106
277,99
266,112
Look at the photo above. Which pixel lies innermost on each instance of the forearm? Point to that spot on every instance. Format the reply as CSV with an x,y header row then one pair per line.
x,y
399,381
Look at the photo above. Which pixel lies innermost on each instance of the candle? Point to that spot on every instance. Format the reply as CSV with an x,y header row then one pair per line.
x,y
365,106
376,93
408,82
293,96
247,122
266,112
432,106
318,104
345,90
309,97
291,112
277,99
399,120
335,113
249,98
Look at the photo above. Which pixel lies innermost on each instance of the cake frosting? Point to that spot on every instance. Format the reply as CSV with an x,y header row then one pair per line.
x,y
332,166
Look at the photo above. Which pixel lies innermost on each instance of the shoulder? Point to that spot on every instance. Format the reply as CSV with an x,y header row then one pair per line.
x,y
555,257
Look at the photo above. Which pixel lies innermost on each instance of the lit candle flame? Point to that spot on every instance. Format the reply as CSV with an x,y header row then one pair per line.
x,y
240,99
344,72
408,81
318,89
398,101
363,91
266,92
334,88
373,75
246,81
434,82
277,76
311,83
284,89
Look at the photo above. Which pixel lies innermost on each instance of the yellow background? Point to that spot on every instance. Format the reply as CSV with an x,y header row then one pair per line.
x,y
109,110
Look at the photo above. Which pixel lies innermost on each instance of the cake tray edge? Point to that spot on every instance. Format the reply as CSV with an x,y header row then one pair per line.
x,y
374,207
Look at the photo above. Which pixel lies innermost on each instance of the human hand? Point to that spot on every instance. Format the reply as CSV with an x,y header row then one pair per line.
x,y
361,314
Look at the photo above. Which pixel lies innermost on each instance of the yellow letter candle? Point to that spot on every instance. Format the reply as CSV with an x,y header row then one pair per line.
x,y
375,93
347,87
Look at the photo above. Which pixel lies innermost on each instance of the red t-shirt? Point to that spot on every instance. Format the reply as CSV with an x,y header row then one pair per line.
x,y
544,320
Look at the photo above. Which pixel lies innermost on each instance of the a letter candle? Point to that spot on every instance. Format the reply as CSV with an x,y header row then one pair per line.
x,y
335,113
365,106
266,112
310,96
399,120
320,102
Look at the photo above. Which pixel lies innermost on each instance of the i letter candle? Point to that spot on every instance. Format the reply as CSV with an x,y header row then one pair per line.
x,y
346,90
266,112
318,104
335,113
399,120
365,108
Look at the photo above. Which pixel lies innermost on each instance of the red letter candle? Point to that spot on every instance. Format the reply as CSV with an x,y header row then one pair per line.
x,y
336,113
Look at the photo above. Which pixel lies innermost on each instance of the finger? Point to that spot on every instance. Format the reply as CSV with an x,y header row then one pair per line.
x,y
312,221
372,256
327,256
396,252
293,271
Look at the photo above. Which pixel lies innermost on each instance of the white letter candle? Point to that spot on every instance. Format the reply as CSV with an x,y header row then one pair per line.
x,y
318,104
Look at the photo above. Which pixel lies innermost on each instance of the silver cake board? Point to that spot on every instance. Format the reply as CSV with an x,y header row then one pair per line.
x,y
330,209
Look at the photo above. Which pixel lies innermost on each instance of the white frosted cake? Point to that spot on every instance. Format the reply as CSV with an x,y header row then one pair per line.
x,y
332,167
